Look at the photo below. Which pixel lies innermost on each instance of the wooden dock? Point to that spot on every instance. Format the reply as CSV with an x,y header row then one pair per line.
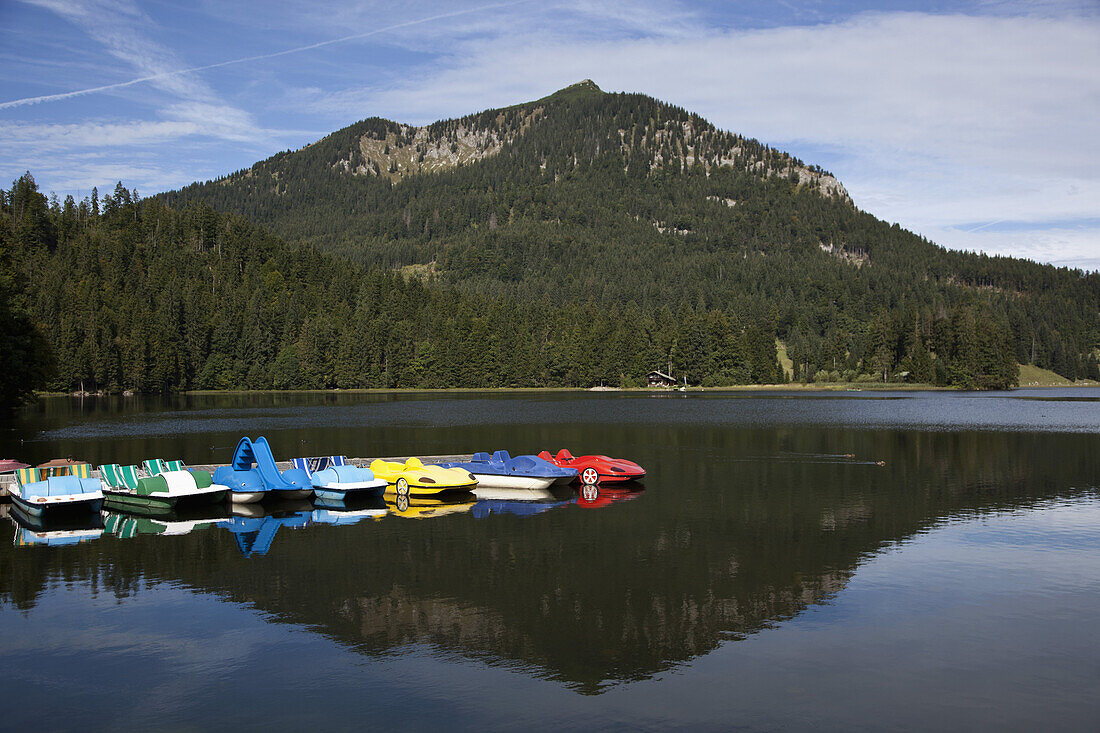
x,y
7,479
365,462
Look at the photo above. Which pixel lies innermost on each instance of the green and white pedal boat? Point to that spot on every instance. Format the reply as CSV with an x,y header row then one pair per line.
x,y
168,488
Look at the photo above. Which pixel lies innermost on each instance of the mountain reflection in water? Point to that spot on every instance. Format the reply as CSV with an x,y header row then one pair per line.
x,y
737,529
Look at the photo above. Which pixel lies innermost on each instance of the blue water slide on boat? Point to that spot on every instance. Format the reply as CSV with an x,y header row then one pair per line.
x,y
502,471
334,479
253,475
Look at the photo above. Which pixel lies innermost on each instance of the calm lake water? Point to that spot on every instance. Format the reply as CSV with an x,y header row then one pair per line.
x,y
769,574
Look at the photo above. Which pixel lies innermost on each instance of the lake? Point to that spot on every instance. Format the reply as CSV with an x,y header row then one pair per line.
x,y
883,560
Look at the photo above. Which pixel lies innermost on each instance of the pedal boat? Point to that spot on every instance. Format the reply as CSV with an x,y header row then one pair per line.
x,y
8,467
39,494
596,469
334,479
161,492
502,471
253,476
413,478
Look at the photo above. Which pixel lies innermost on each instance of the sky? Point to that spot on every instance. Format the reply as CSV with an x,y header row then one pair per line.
x,y
975,123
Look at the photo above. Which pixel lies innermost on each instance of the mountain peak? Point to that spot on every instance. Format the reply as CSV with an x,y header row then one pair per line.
x,y
580,90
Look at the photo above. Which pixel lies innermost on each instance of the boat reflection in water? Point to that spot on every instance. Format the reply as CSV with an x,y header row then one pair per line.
x,y
348,511
519,502
592,496
254,525
425,507
126,526
30,531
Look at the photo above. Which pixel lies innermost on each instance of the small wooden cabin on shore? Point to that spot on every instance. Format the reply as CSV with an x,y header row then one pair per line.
x,y
660,379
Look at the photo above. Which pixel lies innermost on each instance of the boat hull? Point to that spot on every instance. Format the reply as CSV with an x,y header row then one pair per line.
x,y
531,483
619,478
246,497
428,491
285,494
162,504
49,509
340,492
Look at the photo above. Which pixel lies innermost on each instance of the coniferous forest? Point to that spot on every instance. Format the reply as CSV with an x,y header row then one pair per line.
x,y
585,238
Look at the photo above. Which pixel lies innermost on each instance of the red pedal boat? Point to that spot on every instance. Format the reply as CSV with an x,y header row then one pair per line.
x,y
596,469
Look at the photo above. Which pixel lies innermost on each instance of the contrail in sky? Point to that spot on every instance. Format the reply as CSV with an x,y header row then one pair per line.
x,y
983,226
153,77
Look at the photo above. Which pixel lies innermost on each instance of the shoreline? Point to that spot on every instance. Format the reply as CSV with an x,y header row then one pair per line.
x,y
797,387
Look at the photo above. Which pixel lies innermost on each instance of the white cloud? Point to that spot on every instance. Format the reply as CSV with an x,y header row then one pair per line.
x,y
1065,247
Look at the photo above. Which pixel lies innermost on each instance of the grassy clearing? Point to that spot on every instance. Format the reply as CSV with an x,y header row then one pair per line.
x,y
784,360
1033,376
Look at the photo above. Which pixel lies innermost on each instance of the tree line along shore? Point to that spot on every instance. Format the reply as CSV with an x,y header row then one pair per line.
x,y
122,293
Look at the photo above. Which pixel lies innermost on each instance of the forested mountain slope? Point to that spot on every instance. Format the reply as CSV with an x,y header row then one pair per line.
x,y
619,199
130,294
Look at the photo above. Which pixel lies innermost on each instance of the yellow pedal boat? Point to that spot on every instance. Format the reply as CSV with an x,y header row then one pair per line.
x,y
413,478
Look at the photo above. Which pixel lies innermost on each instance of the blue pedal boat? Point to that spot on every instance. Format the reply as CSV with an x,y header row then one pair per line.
x,y
334,479
253,475
502,471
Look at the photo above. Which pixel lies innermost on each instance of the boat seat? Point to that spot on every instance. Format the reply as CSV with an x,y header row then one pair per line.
x,y
60,486
481,457
152,485
129,476
341,475
502,456
109,473
302,464
317,464
27,476
565,455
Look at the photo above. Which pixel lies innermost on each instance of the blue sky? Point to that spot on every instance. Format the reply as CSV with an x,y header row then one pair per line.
x,y
974,123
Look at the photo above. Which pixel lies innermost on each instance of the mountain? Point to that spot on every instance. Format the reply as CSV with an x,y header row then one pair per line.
x,y
581,239
620,199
